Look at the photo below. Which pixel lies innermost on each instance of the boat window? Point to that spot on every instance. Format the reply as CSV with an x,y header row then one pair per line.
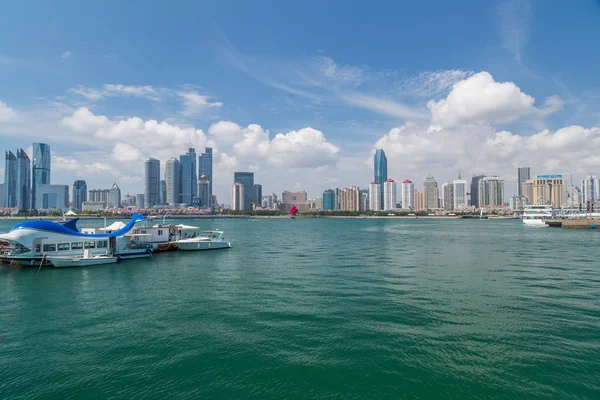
x,y
102,244
160,232
64,246
38,247
76,246
89,245
143,231
49,247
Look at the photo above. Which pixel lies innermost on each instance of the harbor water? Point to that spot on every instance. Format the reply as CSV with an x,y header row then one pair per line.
x,y
319,309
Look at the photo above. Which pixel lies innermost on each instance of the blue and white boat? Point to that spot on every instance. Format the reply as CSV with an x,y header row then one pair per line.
x,y
33,242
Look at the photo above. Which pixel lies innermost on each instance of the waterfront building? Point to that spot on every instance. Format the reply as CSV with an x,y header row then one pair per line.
x,y
475,189
52,197
99,195
140,200
590,190
163,191
319,203
23,180
419,200
430,189
238,197
114,196
389,194
204,199
189,177
523,175
364,199
375,196
448,196
574,199
298,199
246,179
408,194
79,194
527,190
128,200
205,164
329,200
93,206
518,203
152,195
40,171
380,172
548,189
459,194
173,181
10,180
257,194
349,199
491,192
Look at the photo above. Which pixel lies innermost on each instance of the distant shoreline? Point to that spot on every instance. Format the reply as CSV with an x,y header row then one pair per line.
x,y
159,218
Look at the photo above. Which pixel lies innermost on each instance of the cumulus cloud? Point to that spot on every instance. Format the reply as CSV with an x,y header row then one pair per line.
x,y
124,152
6,113
194,103
480,98
83,120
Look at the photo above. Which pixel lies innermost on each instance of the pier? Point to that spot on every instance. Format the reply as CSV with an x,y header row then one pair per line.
x,y
583,223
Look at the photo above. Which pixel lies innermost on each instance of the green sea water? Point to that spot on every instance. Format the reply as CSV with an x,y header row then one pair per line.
x,y
316,309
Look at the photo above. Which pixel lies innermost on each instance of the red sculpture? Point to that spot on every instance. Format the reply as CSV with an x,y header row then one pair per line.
x,y
294,210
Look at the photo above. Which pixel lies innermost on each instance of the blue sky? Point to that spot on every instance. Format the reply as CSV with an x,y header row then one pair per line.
x,y
441,86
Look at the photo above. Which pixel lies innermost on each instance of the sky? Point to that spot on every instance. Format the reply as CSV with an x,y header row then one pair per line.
x,y
302,93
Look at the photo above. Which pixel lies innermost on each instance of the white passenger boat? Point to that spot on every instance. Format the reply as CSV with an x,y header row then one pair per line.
x,y
88,259
536,216
207,240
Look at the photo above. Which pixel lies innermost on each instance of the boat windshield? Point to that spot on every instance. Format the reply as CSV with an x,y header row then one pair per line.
x,y
9,247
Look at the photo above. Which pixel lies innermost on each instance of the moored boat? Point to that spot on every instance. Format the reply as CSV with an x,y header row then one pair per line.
x,y
207,240
88,259
537,215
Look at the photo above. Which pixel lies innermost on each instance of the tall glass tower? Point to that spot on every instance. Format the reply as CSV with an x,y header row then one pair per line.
x,y
247,180
23,180
10,180
40,172
189,178
79,193
380,170
151,183
523,174
205,167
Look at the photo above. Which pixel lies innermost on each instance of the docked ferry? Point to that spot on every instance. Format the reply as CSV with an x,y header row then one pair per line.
x,y
537,215
33,242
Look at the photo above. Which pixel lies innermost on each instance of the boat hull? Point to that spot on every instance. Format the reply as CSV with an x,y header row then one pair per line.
x,y
535,223
60,262
202,245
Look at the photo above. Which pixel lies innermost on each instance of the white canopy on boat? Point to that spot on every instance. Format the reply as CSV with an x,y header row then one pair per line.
x,y
70,213
115,226
187,227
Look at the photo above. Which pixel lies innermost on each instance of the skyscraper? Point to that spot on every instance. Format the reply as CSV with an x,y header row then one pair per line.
x,y
375,196
189,177
151,183
246,179
140,200
328,200
205,167
408,194
380,171
10,180
491,192
114,196
430,189
204,199
349,199
389,194
1,195
163,191
79,193
548,189
40,174
23,180
448,196
238,196
257,194
459,194
523,174
173,181
590,190
475,190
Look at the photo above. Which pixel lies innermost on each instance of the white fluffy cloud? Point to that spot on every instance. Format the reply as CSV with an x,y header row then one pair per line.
x,y
83,120
480,98
6,113
194,103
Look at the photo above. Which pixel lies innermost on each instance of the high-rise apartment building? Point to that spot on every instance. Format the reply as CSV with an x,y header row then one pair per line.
x,y
459,194
419,200
408,194
349,199
430,189
246,179
491,192
448,196
389,194
151,183
590,192
527,190
99,196
40,171
257,194
238,197
548,189
23,180
10,180
140,200
205,162
173,181
380,171
523,175
163,191
474,191
204,199
375,196
79,194
114,196
189,177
